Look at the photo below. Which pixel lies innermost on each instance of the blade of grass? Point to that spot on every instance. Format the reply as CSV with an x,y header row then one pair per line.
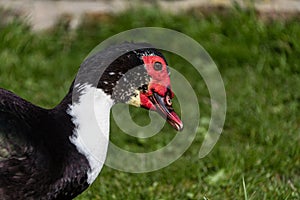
x,y
245,189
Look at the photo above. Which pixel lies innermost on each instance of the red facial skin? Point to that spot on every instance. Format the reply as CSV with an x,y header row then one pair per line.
x,y
159,94
160,81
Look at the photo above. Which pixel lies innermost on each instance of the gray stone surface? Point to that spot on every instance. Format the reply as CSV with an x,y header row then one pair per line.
x,y
43,14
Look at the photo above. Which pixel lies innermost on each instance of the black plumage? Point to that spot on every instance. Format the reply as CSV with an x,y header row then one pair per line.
x,y
37,159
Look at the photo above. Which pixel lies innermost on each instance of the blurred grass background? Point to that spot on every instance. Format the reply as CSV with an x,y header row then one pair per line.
x,y
260,65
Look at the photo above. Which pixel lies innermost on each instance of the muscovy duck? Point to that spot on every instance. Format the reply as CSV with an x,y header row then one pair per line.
x,y
57,153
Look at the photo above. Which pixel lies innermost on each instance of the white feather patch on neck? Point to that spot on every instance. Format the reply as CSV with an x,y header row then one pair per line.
x,y
91,134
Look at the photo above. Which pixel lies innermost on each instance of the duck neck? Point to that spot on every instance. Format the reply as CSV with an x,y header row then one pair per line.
x,y
90,113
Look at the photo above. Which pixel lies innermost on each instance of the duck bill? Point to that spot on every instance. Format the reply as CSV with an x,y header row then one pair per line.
x,y
167,112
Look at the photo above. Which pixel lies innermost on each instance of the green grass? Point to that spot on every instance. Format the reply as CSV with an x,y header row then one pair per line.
x,y
258,154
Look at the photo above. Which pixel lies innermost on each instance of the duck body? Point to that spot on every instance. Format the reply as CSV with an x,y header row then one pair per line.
x,y
57,153
37,159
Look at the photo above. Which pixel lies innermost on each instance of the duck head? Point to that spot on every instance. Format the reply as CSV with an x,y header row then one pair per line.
x,y
141,78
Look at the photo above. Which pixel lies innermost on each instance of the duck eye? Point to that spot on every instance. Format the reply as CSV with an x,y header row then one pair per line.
x,y
157,66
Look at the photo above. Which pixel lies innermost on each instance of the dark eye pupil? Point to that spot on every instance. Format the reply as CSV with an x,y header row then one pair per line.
x,y
157,66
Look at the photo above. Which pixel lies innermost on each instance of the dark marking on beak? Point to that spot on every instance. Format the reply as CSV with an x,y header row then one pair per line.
x,y
164,108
